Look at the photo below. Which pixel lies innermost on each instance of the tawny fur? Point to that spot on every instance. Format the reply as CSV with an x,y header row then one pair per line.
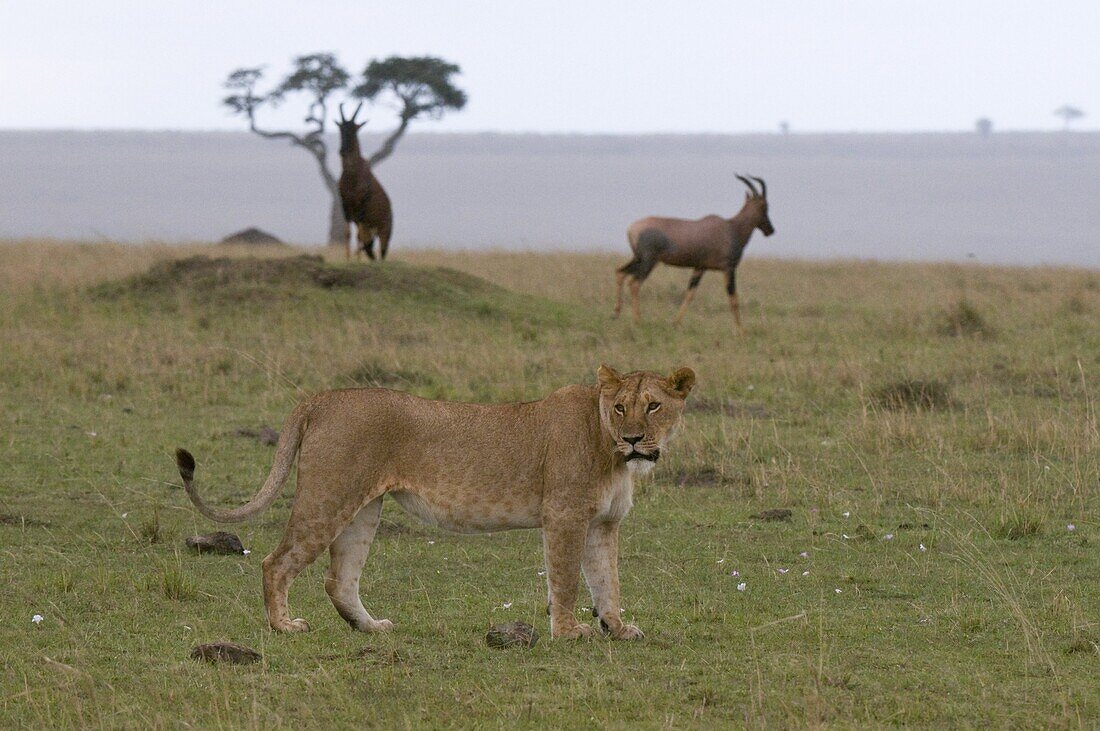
x,y
564,464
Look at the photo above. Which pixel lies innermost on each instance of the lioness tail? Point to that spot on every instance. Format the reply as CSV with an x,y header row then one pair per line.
x,y
289,440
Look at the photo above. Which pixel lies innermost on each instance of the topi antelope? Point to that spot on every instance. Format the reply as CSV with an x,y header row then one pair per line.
x,y
712,242
364,199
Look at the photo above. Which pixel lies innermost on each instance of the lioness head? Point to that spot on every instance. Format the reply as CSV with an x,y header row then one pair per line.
x,y
641,409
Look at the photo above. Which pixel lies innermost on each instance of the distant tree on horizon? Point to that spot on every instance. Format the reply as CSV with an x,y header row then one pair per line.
x,y
421,85
984,126
1068,114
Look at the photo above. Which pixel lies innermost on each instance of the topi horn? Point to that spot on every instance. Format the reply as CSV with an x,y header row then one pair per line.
x,y
752,188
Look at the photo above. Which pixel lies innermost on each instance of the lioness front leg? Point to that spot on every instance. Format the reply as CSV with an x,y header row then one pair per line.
x,y
601,571
564,547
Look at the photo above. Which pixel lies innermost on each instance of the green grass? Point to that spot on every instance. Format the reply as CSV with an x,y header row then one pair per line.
x,y
980,609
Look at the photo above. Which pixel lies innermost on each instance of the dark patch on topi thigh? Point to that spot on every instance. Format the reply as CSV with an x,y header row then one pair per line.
x,y
651,245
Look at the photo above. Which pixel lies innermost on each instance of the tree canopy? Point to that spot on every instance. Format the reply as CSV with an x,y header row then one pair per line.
x,y
422,85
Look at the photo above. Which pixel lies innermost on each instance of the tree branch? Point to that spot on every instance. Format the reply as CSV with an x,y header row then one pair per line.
x,y
313,143
388,146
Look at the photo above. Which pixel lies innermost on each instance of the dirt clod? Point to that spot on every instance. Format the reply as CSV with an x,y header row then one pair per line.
x,y
265,434
512,634
230,652
773,515
220,542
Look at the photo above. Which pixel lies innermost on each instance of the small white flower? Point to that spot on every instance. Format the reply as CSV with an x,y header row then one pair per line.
x,y
889,536
507,605
922,547
804,554
1071,527
246,552
847,513
125,514
838,591
431,543
585,610
735,572
805,573
783,571
622,611
722,560
542,573
741,586
37,619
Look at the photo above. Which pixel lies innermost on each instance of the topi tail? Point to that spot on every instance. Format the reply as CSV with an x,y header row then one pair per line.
x,y
289,441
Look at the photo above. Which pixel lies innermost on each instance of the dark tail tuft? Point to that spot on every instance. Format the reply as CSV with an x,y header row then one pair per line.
x,y
186,464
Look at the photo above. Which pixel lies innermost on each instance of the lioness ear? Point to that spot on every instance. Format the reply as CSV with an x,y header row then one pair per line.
x,y
608,376
682,381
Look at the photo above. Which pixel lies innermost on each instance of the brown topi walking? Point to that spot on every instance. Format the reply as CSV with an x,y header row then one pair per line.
x,y
711,242
364,199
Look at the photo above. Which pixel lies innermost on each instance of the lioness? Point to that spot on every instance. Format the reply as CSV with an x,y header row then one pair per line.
x,y
564,464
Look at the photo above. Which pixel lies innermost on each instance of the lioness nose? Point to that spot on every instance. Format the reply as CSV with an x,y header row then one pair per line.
x,y
632,440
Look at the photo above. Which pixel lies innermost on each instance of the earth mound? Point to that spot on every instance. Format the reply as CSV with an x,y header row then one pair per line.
x,y
253,236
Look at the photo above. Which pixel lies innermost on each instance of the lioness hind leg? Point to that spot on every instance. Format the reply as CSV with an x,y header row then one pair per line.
x,y
308,533
348,554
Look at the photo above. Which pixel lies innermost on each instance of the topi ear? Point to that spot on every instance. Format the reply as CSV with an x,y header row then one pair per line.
x,y
682,381
608,376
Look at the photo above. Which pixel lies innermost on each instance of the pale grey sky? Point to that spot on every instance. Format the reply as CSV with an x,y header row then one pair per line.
x,y
571,66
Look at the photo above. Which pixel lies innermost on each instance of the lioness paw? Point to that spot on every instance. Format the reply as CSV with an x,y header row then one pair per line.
x,y
627,632
576,632
375,625
292,625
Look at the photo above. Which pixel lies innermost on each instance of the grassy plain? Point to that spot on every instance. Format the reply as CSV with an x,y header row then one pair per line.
x,y
940,567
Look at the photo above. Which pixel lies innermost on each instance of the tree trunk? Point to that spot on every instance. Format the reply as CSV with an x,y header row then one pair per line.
x,y
338,228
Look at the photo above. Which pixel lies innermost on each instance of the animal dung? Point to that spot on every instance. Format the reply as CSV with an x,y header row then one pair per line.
x,y
229,652
773,515
512,634
266,435
219,542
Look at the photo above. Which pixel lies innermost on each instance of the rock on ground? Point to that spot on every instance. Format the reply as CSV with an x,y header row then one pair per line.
x,y
230,652
217,542
512,634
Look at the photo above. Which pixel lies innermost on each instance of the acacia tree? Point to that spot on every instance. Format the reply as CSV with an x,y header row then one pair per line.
x,y
1068,114
422,86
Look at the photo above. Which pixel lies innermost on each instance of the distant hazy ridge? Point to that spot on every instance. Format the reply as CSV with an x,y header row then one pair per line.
x,y
1012,198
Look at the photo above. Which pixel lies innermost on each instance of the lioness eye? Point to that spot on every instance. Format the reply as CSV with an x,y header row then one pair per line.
x,y
619,409
653,406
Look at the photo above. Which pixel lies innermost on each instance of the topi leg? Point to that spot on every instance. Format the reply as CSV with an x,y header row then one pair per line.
x,y
689,295
621,275
735,306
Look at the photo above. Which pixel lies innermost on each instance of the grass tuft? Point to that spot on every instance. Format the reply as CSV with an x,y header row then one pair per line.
x,y
1018,526
964,320
177,584
914,394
